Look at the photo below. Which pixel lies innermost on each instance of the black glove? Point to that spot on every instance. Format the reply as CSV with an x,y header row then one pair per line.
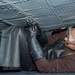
x,y
42,39
34,47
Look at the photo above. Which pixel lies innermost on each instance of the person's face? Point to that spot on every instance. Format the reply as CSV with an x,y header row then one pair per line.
x,y
70,39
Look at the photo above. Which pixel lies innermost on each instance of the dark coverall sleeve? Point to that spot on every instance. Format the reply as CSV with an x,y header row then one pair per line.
x,y
65,64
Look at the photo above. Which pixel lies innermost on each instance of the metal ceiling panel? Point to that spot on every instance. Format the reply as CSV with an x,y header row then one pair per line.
x,y
18,22
66,12
2,2
40,10
50,14
58,2
9,12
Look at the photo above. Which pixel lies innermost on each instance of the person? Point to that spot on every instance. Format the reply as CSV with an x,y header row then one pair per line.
x,y
64,58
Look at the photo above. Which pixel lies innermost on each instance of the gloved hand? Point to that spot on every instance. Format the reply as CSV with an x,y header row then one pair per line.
x,y
42,39
32,31
34,46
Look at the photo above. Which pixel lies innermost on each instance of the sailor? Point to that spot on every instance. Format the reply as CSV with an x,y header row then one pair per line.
x,y
60,57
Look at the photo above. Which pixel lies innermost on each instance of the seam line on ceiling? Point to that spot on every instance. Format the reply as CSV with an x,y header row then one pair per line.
x,y
55,13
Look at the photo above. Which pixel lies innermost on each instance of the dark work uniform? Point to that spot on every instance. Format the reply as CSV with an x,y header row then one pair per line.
x,y
65,64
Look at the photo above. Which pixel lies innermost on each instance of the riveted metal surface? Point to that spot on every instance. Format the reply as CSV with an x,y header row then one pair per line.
x,y
41,11
58,2
8,12
66,11
2,1
50,14
18,22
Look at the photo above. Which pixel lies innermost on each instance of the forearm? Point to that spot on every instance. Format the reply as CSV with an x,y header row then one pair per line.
x,y
44,65
56,66
35,49
37,55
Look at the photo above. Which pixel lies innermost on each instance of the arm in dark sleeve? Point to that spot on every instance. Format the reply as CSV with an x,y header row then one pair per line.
x,y
42,64
66,64
55,37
